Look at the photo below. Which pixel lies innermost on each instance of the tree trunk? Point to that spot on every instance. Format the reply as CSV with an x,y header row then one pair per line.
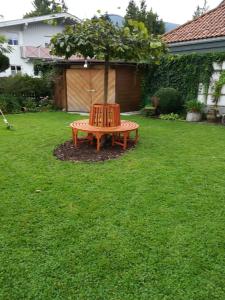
x,y
106,79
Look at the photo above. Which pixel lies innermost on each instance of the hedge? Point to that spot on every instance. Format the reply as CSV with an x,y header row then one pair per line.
x,y
182,72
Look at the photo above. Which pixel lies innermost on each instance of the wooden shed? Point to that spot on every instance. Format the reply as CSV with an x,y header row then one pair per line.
x,y
77,88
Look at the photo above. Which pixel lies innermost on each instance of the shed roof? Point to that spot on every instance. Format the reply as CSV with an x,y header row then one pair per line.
x,y
209,25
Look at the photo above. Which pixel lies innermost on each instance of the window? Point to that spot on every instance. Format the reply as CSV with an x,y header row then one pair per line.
x,y
13,41
13,38
15,70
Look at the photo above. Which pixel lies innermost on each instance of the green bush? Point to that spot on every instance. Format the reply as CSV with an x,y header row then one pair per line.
x,y
25,93
148,110
4,62
169,100
29,104
26,86
182,72
171,117
3,104
10,104
13,104
194,106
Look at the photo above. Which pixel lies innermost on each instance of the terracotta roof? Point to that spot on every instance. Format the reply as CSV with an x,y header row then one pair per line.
x,y
209,25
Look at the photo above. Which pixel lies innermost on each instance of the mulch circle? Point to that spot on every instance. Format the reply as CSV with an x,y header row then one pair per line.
x,y
86,152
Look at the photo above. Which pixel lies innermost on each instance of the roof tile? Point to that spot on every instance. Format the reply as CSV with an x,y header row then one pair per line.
x,y
209,25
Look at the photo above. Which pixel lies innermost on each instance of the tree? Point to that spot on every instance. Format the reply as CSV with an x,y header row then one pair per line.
x,y
46,7
100,38
149,18
201,10
4,60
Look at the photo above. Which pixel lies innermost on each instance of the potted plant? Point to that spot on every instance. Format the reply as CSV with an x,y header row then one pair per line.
x,y
194,110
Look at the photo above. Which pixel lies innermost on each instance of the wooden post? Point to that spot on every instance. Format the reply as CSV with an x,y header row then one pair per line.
x,y
106,79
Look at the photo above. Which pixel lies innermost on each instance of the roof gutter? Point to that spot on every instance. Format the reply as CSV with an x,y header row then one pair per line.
x,y
200,41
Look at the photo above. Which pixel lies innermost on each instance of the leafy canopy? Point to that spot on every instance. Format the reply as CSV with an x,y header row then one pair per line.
x,y
100,38
4,49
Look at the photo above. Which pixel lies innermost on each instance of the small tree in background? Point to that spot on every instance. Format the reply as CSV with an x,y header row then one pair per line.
x,y
100,38
4,60
46,7
141,14
201,10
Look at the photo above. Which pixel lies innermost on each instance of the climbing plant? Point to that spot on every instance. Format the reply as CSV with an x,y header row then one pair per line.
x,y
218,88
182,72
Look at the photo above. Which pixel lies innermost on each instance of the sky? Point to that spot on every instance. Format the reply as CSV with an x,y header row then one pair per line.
x,y
175,11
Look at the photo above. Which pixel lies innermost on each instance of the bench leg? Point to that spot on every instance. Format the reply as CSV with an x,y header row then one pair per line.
x,y
98,137
113,139
90,138
136,136
74,135
125,136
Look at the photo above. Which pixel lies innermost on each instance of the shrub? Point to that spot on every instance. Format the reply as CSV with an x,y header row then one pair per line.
x,y
171,117
169,100
29,104
10,104
194,106
3,104
4,62
148,110
25,93
26,86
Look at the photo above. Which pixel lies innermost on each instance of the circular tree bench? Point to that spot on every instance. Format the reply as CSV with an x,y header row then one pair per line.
x,y
124,129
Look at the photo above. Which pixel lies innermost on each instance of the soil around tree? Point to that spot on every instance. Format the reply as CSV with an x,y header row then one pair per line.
x,y
87,152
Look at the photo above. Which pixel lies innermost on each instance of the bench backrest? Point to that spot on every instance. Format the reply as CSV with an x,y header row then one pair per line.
x,y
105,115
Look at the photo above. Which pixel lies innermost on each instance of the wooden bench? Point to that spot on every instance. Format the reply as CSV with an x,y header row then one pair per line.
x,y
124,129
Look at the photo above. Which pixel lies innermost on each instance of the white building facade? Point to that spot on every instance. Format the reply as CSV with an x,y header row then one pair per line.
x,y
206,96
30,38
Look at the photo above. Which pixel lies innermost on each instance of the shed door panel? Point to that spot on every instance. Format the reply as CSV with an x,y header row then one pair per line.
x,y
86,87
78,85
97,85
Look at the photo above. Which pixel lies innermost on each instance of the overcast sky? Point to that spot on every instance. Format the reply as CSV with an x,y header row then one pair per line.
x,y
176,11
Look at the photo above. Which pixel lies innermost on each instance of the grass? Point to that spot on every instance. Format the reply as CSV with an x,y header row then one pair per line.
x,y
149,225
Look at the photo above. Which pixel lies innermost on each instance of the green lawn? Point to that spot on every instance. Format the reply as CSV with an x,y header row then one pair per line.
x,y
149,225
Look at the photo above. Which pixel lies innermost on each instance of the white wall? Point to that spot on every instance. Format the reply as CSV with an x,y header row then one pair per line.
x,y
35,34
15,59
206,97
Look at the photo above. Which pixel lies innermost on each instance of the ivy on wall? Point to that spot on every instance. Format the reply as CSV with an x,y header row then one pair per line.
x,y
218,87
182,72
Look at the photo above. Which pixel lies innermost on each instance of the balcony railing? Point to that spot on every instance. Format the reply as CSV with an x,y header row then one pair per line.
x,y
41,53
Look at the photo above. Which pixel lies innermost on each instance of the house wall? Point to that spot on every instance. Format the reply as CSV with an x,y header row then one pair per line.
x,y
206,97
198,46
37,34
34,34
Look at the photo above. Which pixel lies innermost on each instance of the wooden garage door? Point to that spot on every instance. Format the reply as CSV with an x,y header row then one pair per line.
x,y
86,87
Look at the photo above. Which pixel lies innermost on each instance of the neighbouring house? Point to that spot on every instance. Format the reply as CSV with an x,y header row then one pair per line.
x,y
30,40
204,34
81,85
